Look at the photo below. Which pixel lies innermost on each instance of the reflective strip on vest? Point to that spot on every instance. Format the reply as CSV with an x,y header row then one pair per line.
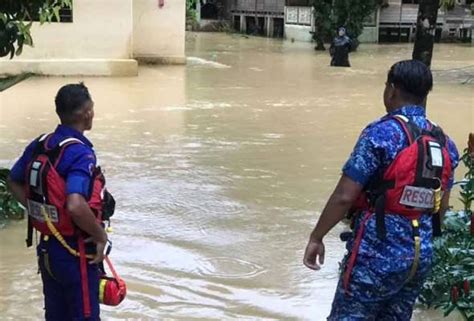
x,y
436,154
69,140
42,138
404,118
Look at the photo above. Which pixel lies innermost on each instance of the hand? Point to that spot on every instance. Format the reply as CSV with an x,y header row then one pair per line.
x,y
314,251
100,248
99,256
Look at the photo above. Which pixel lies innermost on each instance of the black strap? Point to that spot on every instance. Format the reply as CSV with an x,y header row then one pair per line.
x,y
29,233
40,147
412,131
436,223
380,217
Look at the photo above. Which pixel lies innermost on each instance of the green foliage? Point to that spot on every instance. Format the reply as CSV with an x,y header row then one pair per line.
x,y
191,15
329,15
16,18
323,20
352,13
447,4
9,207
449,286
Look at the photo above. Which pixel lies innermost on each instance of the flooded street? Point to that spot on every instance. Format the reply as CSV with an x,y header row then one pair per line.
x,y
220,170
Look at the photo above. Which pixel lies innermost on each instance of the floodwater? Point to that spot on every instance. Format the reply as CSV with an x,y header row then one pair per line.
x,y
220,170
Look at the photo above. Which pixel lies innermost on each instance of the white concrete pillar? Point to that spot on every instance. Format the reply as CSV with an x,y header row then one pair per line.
x,y
269,26
159,33
243,24
198,11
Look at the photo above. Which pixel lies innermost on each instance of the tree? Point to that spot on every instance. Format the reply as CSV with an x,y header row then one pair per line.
x,y
425,30
16,19
323,23
352,14
331,14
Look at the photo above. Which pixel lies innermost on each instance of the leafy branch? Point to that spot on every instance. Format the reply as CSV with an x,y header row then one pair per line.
x,y
9,207
449,286
16,20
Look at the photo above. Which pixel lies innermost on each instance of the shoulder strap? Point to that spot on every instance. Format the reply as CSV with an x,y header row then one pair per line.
x,y
43,137
411,130
70,141
41,143
58,152
54,154
437,133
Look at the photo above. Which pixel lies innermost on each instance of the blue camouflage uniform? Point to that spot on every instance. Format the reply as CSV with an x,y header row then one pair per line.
x,y
379,288
60,270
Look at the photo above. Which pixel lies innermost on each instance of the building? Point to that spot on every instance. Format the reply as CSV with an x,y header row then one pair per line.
x,y
105,37
291,19
394,22
258,17
398,22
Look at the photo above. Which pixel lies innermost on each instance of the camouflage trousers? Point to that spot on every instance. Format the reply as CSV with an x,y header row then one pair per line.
x,y
382,284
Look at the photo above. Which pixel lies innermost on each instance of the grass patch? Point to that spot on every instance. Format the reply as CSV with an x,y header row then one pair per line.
x,y
7,82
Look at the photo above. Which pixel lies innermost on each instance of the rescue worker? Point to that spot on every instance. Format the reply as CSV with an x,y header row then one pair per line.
x,y
340,48
390,250
71,288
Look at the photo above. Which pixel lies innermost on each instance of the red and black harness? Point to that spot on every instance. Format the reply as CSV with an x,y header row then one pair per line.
x,y
411,186
426,176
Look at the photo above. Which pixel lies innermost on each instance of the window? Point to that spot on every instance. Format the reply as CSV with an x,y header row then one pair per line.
x,y
65,16
299,15
298,3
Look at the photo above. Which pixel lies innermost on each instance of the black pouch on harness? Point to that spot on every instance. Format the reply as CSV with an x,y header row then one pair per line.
x,y
108,206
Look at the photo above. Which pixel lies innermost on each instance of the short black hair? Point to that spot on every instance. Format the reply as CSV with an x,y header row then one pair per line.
x,y
70,99
413,78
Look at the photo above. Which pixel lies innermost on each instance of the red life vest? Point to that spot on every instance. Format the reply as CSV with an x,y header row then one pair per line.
x,y
409,186
46,189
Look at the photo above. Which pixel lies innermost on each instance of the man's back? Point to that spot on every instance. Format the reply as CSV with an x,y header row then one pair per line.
x,y
382,140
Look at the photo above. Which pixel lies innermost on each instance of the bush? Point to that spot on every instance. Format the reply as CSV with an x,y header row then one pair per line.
x,y
449,286
9,207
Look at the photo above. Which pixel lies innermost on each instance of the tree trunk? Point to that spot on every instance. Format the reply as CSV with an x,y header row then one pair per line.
x,y
318,36
319,43
425,31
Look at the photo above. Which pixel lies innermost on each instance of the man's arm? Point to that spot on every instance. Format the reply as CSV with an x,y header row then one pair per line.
x,y
444,204
84,218
79,181
17,190
16,179
341,200
362,165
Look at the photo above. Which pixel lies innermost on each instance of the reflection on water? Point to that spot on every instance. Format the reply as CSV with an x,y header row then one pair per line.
x,y
220,169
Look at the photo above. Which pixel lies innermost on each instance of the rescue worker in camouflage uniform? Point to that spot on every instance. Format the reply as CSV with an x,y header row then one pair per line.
x,y
388,259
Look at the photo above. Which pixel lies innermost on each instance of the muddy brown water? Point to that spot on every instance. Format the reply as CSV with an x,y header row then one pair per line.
x,y
220,169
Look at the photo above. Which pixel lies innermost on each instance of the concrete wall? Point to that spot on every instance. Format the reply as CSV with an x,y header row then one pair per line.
x,y
159,33
97,42
298,33
302,33
104,38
